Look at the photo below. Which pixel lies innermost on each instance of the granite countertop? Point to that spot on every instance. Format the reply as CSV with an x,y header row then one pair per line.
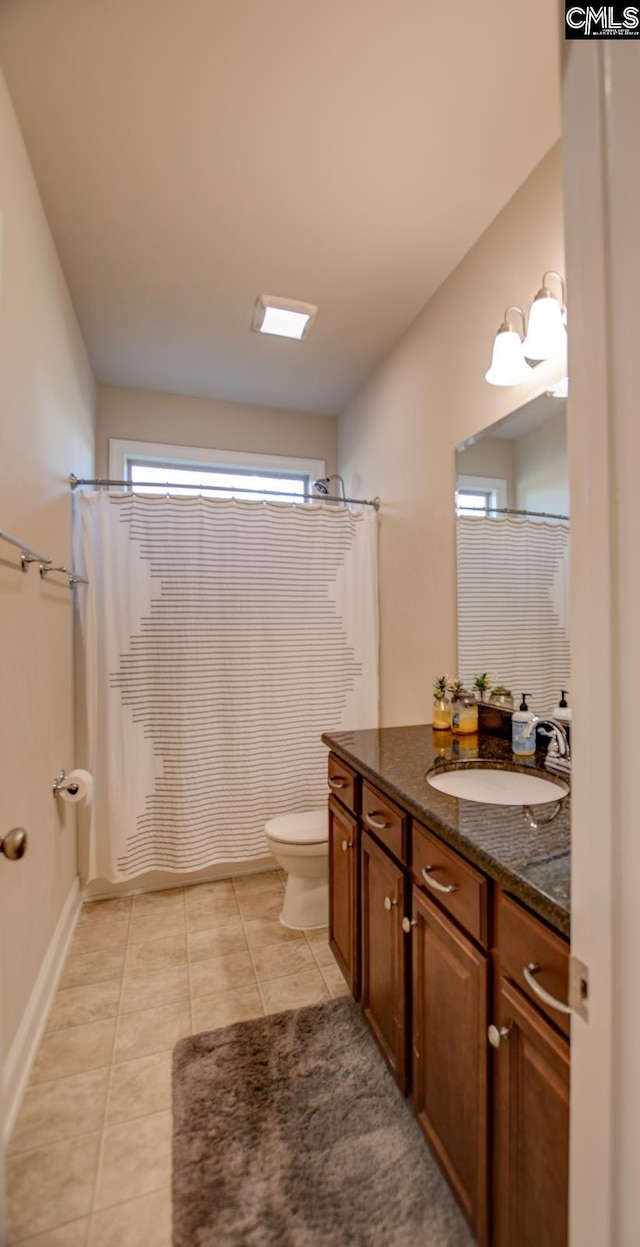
x,y
532,865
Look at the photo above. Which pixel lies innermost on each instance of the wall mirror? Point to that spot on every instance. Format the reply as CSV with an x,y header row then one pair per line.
x,y
512,541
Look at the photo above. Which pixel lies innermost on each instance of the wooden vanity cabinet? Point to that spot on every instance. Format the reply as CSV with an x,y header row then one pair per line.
x,y
449,1001
343,893
496,1117
383,998
530,1084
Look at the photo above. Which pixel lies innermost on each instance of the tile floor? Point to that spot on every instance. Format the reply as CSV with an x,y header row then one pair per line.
x,y
90,1156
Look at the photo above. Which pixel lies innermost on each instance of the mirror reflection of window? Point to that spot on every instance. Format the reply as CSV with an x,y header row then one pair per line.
x,y
473,504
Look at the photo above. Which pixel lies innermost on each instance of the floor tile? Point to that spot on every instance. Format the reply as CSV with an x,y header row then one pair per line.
x,y
155,924
220,942
260,904
100,937
159,902
259,882
212,912
151,1030
83,968
319,944
164,987
60,1109
73,1234
335,981
261,932
279,959
136,1159
51,1185
113,909
155,955
74,1006
141,1222
221,974
294,992
225,1008
74,1050
204,893
139,1088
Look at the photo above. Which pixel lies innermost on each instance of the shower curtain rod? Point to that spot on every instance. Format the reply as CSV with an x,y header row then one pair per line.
x,y
541,515
131,486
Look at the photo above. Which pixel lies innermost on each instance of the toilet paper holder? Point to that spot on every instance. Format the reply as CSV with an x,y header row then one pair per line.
x,y
60,784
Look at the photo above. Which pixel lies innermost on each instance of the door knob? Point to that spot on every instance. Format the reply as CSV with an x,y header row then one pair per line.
x,y
497,1034
408,923
14,844
388,903
346,844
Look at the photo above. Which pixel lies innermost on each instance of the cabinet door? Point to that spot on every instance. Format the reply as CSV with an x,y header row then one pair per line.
x,y
531,1121
449,1055
343,892
384,989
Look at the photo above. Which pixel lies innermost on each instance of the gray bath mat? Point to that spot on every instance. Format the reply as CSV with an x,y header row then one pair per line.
x,y
289,1131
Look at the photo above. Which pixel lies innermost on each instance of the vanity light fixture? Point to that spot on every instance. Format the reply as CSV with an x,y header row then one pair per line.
x,y
547,335
508,363
285,318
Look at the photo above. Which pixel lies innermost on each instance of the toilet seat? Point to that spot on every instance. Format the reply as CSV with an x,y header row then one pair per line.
x,y
312,827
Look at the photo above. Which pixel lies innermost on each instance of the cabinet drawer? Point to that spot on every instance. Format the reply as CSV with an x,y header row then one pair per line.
x,y
460,889
343,782
387,823
536,959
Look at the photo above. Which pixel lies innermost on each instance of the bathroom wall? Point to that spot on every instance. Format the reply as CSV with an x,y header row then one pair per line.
x,y
140,415
397,438
46,401
541,468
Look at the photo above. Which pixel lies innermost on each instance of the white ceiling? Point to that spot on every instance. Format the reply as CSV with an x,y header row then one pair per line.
x,y
192,154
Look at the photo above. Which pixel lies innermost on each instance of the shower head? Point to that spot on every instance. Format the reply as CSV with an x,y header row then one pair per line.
x,y
323,486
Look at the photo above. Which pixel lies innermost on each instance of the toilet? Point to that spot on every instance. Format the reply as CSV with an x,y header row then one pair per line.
x,y
300,843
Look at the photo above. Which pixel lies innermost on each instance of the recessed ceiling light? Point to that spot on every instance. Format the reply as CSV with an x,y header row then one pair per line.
x,y
286,318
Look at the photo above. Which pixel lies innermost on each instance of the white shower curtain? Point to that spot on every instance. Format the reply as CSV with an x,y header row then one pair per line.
x,y
217,640
513,605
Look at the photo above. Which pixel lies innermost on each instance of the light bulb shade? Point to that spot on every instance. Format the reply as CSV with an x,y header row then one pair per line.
x,y
508,364
546,335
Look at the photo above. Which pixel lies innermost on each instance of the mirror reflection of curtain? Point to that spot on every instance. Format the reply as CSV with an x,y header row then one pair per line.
x,y
513,593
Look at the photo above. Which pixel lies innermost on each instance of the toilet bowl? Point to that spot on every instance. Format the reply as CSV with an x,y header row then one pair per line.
x,y
299,843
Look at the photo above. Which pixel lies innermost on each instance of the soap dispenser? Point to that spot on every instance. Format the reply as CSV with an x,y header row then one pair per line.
x,y
523,722
562,711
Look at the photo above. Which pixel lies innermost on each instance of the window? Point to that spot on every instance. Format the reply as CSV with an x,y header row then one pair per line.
x,y
472,503
227,473
480,495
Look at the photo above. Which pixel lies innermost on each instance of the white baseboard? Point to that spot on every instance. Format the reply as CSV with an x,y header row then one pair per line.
x,y
22,1053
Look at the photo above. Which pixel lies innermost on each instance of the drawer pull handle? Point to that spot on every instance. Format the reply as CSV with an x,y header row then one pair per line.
x,y
374,822
433,883
389,903
497,1034
346,844
336,781
546,997
408,923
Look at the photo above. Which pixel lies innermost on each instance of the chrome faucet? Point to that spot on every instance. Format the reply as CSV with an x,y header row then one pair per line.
x,y
558,752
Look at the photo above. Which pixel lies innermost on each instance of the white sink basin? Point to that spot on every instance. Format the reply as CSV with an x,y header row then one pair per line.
x,y
496,786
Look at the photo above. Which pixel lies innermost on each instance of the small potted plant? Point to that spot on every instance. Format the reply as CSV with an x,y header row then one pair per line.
x,y
441,715
482,684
